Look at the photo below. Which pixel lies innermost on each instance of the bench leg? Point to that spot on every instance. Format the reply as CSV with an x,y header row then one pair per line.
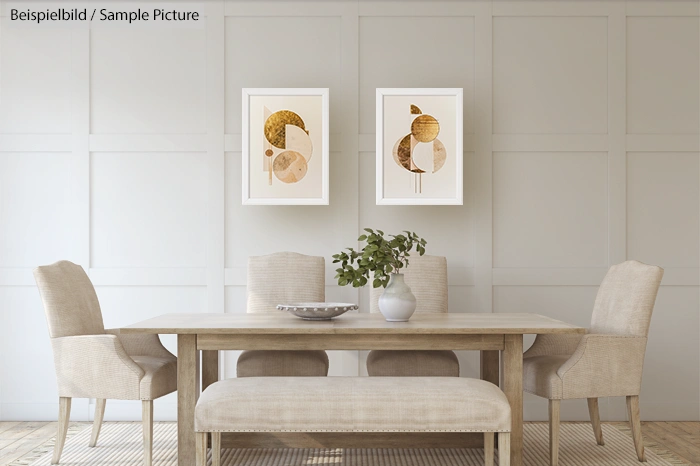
x,y
504,449
216,449
488,448
201,448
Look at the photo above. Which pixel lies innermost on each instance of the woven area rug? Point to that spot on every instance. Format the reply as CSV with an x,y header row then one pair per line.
x,y
120,444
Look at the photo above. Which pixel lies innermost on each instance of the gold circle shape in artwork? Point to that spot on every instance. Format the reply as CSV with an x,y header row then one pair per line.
x,y
290,166
425,128
269,152
275,126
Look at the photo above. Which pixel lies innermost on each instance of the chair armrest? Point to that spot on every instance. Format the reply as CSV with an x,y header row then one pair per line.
x,y
604,365
142,344
95,366
554,345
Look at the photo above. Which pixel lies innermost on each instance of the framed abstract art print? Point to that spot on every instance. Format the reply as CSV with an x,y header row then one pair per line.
x,y
419,146
285,146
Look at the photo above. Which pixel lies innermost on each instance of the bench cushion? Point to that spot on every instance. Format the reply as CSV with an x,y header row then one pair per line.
x,y
352,404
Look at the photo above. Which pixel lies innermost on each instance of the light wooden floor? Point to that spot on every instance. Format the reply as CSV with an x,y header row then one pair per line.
x,y
681,438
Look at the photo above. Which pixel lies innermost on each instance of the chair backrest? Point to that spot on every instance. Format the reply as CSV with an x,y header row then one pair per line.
x,y
70,302
285,277
427,278
626,299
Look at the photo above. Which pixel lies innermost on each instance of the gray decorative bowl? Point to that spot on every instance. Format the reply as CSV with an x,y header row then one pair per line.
x,y
317,311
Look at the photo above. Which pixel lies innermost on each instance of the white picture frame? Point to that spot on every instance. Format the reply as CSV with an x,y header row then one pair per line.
x,y
447,190
312,185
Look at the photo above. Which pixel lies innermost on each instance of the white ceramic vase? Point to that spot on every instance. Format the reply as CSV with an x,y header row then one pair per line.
x,y
397,303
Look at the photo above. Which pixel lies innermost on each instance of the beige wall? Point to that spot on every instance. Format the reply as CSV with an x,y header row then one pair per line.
x,y
120,150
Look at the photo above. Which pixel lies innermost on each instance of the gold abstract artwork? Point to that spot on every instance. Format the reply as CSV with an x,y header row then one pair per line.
x,y
424,129
276,125
287,144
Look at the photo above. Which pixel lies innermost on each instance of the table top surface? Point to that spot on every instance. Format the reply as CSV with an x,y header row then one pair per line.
x,y
279,322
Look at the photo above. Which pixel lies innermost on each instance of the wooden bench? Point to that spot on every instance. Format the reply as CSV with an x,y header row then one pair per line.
x,y
353,404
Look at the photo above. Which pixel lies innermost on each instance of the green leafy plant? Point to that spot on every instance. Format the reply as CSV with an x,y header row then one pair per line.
x,y
381,256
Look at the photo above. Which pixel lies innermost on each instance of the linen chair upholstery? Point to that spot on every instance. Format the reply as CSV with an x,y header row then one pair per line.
x,y
70,301
609,359
427,277
92,362
280,278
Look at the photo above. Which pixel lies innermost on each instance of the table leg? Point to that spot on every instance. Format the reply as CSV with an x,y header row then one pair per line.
x,y
489,367
513,388
210,368
187,393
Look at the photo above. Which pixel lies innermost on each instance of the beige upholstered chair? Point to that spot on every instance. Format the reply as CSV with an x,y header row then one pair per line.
x,y
92,362
279,278
427,277
607,361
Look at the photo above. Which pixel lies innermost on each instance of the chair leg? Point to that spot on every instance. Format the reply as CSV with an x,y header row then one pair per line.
x,y
216,449
97,422
504,449
595,420
63,421
147,419
636,425
554,406
201,450
488,448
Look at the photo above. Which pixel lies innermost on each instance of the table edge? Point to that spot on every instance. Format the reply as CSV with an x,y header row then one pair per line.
x,y
333,331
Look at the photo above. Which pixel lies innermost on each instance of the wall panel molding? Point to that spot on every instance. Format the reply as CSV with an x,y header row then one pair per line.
x,y
549,8
582,276
483,157
662,8
16,276
457,276
215,153
287,9
422,9
149,277
617,124
80,125
550,142
148,142
663,143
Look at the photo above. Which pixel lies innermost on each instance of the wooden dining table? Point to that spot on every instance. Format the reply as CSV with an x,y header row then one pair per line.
x,y
489,333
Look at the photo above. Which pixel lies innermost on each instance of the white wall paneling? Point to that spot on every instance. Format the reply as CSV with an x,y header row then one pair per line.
x,y
120,150
534,228
41,79
127,73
